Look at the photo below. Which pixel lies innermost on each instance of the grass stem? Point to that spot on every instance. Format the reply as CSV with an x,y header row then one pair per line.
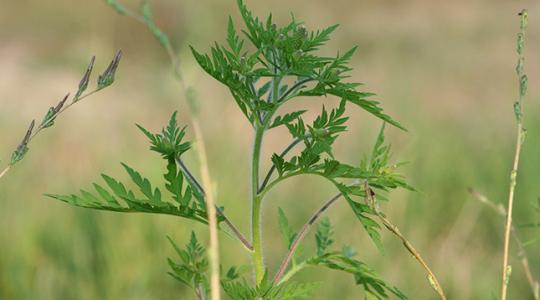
x,y
520,136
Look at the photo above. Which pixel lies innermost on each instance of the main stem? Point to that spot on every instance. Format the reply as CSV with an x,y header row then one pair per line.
x,y
256,200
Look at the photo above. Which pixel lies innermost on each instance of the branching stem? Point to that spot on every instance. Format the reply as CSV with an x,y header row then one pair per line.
x,y
297,85
300,237
273,168
236,232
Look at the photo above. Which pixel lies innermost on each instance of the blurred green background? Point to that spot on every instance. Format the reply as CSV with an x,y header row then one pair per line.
x,y
443,69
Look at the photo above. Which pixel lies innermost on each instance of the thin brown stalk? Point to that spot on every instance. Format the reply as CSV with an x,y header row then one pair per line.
x,y
301,235
212,217
4,172
235,231
522,254
406,243
508,223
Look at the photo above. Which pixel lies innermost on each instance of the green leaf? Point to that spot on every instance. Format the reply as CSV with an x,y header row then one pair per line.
x,y
174,184
286,231
254,26
169,143
319,38
323,236
192,267
286,119
296,290
364,276
121,199
233,39
361,212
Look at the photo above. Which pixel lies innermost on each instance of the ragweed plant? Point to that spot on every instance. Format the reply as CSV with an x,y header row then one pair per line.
x,y
104,80
281,65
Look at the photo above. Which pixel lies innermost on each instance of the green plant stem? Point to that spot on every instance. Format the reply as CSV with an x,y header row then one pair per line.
x,y
256,199
300,237
295,269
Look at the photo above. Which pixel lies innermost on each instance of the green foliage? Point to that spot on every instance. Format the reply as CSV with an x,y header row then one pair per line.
x,y
186,203
168,143
288,235
281,53
242,290
323,236
316,158
283,66
192,268
122,199
373,285
364,276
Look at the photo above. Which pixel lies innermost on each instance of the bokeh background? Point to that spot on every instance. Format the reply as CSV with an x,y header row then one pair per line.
x,y
445,69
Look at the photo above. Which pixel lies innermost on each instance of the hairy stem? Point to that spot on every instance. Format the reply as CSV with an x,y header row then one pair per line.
x,y
256,200
300,237
520,136
193,181
408,245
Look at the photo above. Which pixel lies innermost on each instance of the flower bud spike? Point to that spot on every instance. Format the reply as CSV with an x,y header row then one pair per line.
x,y
21,150
28,133
83,84
107,78
61,104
